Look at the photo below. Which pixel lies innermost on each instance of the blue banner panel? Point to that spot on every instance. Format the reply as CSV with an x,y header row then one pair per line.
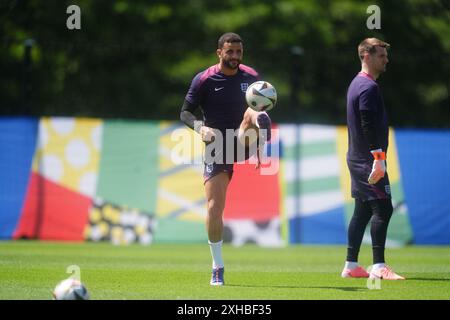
x,y
425,168
17,146
323,228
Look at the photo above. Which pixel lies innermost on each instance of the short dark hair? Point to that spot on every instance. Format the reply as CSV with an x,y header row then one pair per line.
x,y
229,37
369,45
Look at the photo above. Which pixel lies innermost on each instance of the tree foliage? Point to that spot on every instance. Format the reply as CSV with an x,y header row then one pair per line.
x,y
135,59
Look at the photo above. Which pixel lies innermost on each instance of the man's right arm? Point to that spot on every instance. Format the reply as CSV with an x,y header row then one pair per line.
x,y
187,116
190,105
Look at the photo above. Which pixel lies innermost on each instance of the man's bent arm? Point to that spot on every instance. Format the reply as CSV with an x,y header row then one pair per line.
x,y
187,116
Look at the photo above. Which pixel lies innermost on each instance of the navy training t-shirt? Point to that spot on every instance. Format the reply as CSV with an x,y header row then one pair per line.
x,y
221,97
364,94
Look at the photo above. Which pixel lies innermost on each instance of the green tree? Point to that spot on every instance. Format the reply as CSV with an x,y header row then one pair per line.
x,y
135,59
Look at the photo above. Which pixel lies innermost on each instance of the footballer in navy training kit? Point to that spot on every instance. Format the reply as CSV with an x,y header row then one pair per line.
x,y
219,92
368,134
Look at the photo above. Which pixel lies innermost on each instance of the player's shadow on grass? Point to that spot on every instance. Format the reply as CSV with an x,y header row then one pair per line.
x,y
299,287
429,279
341,288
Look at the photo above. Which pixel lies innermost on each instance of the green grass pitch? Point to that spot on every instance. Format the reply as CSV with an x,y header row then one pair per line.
x,y
30,270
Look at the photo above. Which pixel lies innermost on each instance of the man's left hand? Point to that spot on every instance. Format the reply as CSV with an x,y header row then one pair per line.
x,y
378,167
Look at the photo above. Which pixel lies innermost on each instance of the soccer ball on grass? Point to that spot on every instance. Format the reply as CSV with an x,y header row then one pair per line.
x,y
70,289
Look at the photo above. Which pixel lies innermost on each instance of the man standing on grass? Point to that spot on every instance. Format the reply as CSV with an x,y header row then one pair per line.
x,y
220,93
368,134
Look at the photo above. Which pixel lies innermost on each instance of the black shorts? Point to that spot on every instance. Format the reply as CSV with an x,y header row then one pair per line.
x,y
211,169
214,169
361,189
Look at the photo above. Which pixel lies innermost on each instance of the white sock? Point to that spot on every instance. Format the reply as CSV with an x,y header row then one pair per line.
x,y
350,265
216,253
377,266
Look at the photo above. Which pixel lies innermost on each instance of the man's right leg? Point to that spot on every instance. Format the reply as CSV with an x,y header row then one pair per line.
x,y
216,190
356,229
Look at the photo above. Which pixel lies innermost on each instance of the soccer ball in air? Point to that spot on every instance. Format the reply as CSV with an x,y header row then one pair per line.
x,y
70,289
261,96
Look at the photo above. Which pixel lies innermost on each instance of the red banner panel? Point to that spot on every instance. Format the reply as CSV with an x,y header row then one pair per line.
x,y
52,212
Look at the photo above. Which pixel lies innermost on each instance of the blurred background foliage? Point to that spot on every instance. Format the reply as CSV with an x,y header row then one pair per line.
x,y
135,59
